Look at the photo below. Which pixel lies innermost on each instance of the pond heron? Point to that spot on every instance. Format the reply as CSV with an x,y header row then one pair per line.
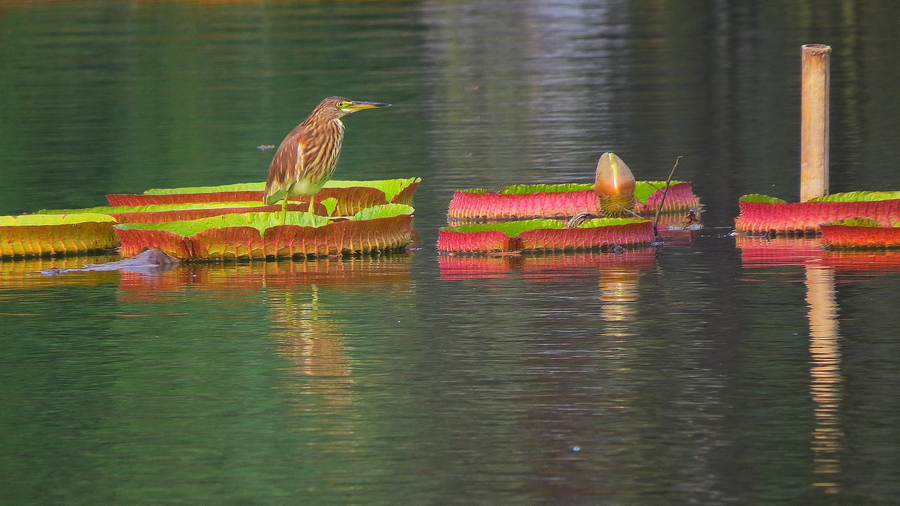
x,y
306,158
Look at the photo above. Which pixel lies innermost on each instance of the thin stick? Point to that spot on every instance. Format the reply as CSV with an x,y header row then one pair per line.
x,y
662,201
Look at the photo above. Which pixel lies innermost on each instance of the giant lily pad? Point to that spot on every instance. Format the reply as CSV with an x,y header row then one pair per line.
x,y
859,233
763,214
39,235
261,235
160,213
561,200
544,234
351,196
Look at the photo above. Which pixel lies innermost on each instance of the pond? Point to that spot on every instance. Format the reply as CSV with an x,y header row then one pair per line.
x,y
712,369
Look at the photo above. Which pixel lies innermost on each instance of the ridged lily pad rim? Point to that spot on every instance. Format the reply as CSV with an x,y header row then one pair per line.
x,y
390,187
27,220
642,191
262,221
514,228
858,196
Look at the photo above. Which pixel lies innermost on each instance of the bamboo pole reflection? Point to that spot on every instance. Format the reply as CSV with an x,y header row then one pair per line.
x,y
825,376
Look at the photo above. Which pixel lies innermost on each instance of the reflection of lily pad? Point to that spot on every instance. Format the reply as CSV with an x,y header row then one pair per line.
x,y
545,267
350,275
762,214
351,196
37,235
544,234
767,252
562,200
261,235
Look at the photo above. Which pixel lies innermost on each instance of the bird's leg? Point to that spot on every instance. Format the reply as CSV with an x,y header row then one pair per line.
x,y
284,208
312,203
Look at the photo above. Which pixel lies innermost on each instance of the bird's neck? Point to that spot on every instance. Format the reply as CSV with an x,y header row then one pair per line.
x,y
334,123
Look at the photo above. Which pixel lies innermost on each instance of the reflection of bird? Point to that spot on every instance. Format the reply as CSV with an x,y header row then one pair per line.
x,y
306,158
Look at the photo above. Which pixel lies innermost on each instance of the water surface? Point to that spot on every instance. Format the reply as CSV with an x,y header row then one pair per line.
x,y
711,370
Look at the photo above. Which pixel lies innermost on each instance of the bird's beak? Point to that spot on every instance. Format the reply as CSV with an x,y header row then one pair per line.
x,y
358,106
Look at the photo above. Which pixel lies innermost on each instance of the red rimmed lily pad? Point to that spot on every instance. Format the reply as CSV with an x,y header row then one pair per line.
x,y
544,234
351,196
261,235
859,233
562,200
764,214
67,234
160,213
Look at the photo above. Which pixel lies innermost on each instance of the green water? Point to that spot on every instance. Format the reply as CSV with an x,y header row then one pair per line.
x,y
708,371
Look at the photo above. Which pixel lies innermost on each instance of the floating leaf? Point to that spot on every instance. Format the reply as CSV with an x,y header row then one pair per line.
x,y
521,189
767,217
859,233
855,222
258,221
761,199
543,234
858,197
390,187
642,189
350,199
606,222
152,208
37,235
510,228
559,201
330,204
383,211
261,235
238,187
63,219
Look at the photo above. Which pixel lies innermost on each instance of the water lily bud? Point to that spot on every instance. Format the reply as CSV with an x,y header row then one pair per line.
x,y
614,186
614,178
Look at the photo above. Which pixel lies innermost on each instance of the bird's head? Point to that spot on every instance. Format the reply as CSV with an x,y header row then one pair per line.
x,y
336,107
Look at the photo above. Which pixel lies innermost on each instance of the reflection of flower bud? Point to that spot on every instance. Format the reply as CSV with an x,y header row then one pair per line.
x,y
614,186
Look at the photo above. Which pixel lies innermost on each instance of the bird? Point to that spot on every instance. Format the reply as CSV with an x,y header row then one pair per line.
x,y
307,157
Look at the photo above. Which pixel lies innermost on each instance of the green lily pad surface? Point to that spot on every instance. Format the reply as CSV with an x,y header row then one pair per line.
x,y
263,221
151,208
642,189
390,187
514,228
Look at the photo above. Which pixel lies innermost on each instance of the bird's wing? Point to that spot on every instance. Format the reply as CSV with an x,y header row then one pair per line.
x,y
287,165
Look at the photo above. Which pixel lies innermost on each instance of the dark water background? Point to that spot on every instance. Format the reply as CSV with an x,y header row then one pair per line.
x,y
708,371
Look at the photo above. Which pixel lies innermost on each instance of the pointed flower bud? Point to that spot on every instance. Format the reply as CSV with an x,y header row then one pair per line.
x,y
614,178
614,186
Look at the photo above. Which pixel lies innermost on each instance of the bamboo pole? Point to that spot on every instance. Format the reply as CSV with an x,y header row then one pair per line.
x,y
815,63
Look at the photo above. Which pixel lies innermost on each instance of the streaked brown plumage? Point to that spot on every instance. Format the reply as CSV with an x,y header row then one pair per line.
x,y
306,158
